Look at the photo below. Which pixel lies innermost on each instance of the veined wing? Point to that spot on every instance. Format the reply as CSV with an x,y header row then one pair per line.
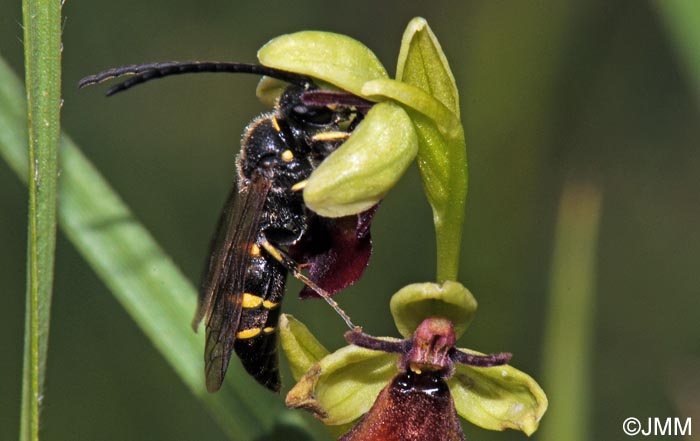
x,y
222,285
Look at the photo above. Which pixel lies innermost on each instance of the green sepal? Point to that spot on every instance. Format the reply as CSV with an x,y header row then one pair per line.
x,y
343,386
357,175
422,63
414,303
337,59
442,158
497,398
299,345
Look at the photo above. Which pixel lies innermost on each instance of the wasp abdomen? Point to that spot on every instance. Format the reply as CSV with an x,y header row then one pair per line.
x,y
256,335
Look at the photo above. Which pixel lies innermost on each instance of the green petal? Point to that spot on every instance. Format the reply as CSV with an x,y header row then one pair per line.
x,y
414,303
299,345
357,175
337,59
422,63
498,398
343,386
416,99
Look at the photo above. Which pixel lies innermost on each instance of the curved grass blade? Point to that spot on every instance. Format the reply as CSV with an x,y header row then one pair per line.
x,y
42,58
682,18
139,274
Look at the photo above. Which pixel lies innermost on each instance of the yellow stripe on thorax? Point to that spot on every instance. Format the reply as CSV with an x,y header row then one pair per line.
x,y
275,124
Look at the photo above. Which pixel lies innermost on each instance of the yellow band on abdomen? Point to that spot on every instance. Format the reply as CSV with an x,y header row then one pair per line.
x,y
251,300
248,333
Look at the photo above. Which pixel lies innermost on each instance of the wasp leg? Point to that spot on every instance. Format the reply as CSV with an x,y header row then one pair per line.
x,y
300,185
330,136
295,269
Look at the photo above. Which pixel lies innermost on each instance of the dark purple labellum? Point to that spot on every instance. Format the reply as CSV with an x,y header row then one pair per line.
x,y
335,252
412,407
417,405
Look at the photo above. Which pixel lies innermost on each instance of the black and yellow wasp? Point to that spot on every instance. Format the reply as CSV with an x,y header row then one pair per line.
x,y
265,230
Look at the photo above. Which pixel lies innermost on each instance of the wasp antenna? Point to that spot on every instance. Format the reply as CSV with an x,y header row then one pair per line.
x,y
376,344
481,360
151,71
327,297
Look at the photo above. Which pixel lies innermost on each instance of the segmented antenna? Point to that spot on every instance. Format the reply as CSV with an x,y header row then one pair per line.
x,y
151,71
488,360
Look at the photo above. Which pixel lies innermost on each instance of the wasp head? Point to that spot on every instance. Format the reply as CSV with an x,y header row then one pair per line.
x,y
321,119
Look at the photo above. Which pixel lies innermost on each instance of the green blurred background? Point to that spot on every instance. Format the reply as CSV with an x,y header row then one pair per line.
x,y
551,92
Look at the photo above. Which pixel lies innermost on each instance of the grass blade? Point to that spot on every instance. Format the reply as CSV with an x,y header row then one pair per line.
x,y
568,347
42,55
682,19
144,280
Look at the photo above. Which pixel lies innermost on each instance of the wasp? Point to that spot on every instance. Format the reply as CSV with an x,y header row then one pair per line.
x,y
264,224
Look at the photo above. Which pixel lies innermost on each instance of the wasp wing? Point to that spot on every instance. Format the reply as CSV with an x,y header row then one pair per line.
x,y
222,284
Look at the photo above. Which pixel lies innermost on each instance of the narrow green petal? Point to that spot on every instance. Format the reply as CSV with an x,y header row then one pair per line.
x,y
442,158
337,59
343,386
414,303
422,63
358,175
498,398
269,89
415,98
299,345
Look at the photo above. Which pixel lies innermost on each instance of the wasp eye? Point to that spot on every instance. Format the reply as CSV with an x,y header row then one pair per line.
x,y
314,115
